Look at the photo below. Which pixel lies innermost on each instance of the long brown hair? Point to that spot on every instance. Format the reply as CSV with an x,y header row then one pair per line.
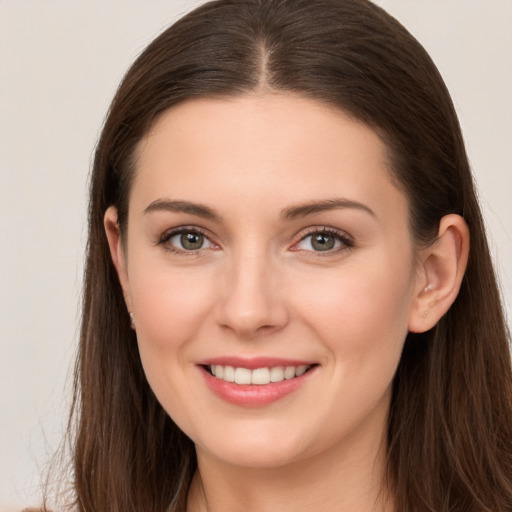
x,y
450,423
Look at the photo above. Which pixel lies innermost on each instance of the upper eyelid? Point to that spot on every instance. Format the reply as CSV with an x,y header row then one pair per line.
x,y
346,240
322,229
169,233
301,235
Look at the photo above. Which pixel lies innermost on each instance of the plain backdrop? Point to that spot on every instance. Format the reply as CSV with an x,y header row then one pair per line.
x,y
60,63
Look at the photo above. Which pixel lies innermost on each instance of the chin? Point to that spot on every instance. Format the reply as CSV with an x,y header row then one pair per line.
x,y
256,456
253,448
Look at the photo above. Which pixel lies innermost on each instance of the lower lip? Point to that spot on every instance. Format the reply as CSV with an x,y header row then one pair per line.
x,y
254,395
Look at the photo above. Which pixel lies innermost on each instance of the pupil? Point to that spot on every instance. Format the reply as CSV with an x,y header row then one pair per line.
x,y
191,241
322,242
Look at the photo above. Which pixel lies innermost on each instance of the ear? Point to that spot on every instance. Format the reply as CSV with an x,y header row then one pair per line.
x,y
110,221
442,267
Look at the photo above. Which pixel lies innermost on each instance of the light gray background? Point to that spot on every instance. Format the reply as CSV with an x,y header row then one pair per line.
x,y
60,63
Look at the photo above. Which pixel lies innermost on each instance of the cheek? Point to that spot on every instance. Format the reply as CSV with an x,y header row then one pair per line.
x,y
170,308
360,294
361,313
169,305
361,318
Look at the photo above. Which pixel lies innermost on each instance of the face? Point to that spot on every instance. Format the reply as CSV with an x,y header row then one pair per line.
x,y
272,277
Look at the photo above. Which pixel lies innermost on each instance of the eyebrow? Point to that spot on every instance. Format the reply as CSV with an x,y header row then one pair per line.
x,y
290,213
183,207
303,210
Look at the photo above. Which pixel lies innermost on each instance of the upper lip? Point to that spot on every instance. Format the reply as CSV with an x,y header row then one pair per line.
x,y
253,362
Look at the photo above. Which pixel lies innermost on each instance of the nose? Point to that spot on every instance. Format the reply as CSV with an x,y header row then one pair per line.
x,y
252,304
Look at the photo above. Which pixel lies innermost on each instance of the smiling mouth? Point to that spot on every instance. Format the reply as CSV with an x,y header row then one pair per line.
x,y
256,376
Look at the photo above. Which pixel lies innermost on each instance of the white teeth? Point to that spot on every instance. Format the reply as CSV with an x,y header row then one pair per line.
x,y
276,374
258,376
229,374
300,370
289,372
219,371
242,376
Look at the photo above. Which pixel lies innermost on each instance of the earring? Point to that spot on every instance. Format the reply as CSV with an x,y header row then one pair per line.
x,y
132,320
427,288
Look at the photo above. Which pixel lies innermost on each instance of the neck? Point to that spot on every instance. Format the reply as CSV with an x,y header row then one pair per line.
x,y
348,478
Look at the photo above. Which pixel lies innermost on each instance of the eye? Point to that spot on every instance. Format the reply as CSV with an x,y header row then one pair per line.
x,y
190,241
185,240
323,240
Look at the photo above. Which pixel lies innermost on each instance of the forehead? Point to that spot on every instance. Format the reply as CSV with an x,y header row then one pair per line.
x,y
271,120
270,148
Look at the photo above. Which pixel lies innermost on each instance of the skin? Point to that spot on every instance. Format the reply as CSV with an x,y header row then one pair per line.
x,y
258,287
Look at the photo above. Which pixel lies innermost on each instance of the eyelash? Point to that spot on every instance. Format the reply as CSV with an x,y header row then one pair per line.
x,y
163,240
345,241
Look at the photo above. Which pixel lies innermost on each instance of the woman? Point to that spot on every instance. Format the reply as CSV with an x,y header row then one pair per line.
x,y
289,301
